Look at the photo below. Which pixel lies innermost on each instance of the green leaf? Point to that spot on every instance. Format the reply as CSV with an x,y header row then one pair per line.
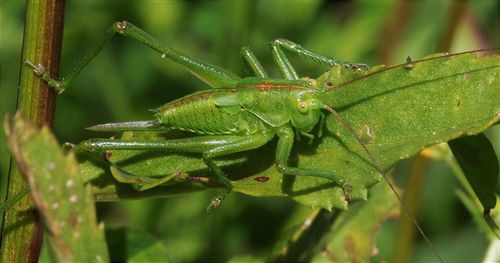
x,y
352,237
478,161
347,236
396,111
65,203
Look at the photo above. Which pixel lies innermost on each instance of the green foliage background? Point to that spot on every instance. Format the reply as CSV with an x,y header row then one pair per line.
x,y
126,80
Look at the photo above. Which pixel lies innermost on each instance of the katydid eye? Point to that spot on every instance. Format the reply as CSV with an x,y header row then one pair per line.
x,y
303,106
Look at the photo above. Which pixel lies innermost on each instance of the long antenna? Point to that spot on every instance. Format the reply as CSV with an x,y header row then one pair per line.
x,y
379,169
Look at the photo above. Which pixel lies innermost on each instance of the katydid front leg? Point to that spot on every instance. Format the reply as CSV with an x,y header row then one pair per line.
x,y
283,151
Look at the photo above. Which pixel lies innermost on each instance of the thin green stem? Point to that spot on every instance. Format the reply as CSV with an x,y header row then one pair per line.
x,y
21,232
459,174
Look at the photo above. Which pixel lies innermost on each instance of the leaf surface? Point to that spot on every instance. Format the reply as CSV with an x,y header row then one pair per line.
x,y
396,111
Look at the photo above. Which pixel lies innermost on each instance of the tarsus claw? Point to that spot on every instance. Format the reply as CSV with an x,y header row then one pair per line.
x,y
40,71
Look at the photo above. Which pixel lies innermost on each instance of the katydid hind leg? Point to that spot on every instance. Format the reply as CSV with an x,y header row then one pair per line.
x,y
214,76
64,82
210,146
248,142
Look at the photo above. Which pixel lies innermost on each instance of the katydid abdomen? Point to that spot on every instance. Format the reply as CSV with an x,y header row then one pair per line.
x,y
198,113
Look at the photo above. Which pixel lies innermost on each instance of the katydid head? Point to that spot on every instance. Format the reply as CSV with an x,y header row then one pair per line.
x,y
305,110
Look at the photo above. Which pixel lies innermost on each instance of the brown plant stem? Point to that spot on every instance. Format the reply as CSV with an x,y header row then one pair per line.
x,y
21,232
456,14
394,30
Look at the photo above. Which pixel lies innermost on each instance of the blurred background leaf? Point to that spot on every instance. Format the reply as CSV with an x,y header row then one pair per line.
x,y
343,237
480,165
126,80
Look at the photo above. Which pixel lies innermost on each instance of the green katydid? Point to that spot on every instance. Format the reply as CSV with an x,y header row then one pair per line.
x,y
239,114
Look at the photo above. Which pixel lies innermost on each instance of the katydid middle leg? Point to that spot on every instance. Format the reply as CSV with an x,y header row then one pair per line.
x,y
213,75
253,62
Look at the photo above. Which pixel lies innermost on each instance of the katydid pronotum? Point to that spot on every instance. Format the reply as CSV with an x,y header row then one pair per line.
x,y
240,114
